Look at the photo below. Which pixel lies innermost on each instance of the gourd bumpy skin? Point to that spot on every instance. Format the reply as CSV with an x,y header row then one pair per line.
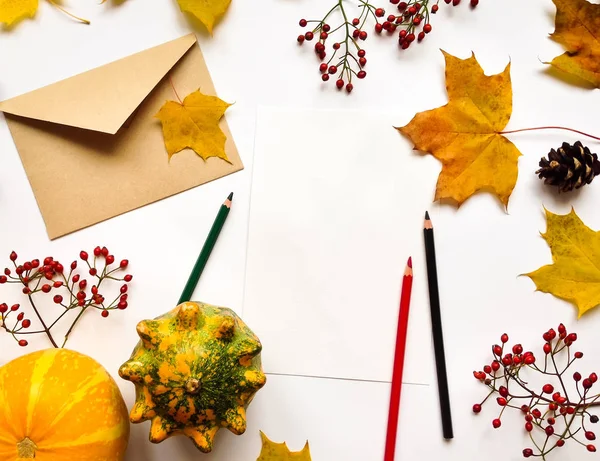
x,y
195,370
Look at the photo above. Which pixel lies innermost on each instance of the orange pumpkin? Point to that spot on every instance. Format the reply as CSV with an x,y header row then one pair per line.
x,y
60,405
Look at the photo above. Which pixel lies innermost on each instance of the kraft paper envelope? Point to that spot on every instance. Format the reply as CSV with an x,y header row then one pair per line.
x,y
92,147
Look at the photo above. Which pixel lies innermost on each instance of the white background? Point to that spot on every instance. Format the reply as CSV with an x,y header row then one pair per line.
x,y
254,60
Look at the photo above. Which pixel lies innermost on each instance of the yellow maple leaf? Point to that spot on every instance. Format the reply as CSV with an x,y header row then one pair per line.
x,y
465,134
194,124
207,11
272,451
577,28
12,11
575,274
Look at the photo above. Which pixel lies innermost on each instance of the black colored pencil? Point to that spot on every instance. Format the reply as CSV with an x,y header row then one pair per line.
x,y
207,248
436,324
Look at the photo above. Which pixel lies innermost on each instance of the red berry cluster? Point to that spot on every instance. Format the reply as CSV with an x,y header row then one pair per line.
x,y
348,57
558,409
69,289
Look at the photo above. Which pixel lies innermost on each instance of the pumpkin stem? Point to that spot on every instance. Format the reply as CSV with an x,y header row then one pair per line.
x,y
26,448
193,386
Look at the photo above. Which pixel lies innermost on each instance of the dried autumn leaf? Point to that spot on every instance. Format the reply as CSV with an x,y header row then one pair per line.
x,y
207,11
575,274
194,124
577,28
272,451
12,11
465,134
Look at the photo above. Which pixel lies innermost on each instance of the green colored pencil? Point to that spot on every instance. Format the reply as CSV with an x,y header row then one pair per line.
x,y
213,235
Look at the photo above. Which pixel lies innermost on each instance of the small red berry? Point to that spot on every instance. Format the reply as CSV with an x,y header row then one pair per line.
x,y
336,46
410,38
83,284
501,401
21,316
593,377
591,448
528,418
3,279
13,256
379,12
361,74
551,421
362,53
3,308
587,383
560,443
562,329
26,290
363,35
7,271
333,69
27,323
496,423
324,35
549,430
124,289
15,307
421,36
547,348
427,28
23,343
128,278
578,355
105,252
74,265
93,271
122,305
495,365
548,388
48,260
309,36
517,349
434,9
97,251
326,27
590,435
527,452
57,284
537,413
487,369
300,39
46,288
58,299
80,295
339,84
362,62
476,408
349,87
455,2
412,10
110,259
104,314
323,67
528,426
83,255
355,22
577,376
474,3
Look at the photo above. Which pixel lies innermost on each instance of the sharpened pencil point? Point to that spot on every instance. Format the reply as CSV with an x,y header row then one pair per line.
x,y
230,198
409,263
427,215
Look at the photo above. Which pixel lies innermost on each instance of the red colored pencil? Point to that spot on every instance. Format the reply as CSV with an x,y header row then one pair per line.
x,y
390,441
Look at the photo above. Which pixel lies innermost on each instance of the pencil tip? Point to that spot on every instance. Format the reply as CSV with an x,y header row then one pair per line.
x,y
409,263
230,198
427,215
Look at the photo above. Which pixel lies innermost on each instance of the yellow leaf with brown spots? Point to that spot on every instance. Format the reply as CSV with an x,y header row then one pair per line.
x,y
207,11
577,28
575,273
194,124
272,451
465,134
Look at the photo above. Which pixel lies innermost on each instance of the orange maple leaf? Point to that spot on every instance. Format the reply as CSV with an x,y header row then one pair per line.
x,y
577,28
194,124
465,134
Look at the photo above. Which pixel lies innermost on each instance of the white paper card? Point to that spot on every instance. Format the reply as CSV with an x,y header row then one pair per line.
x,y
337,206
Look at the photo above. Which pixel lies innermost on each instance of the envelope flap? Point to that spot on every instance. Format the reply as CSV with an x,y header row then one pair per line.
x,y
101,99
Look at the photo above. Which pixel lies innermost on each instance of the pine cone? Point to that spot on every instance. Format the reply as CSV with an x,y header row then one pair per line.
x,y
569,167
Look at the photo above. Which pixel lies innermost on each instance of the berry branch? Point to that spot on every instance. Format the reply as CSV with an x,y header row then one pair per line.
x,y
412,22
38,278
550,412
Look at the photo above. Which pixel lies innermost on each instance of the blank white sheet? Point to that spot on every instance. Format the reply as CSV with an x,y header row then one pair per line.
x,y
337,207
